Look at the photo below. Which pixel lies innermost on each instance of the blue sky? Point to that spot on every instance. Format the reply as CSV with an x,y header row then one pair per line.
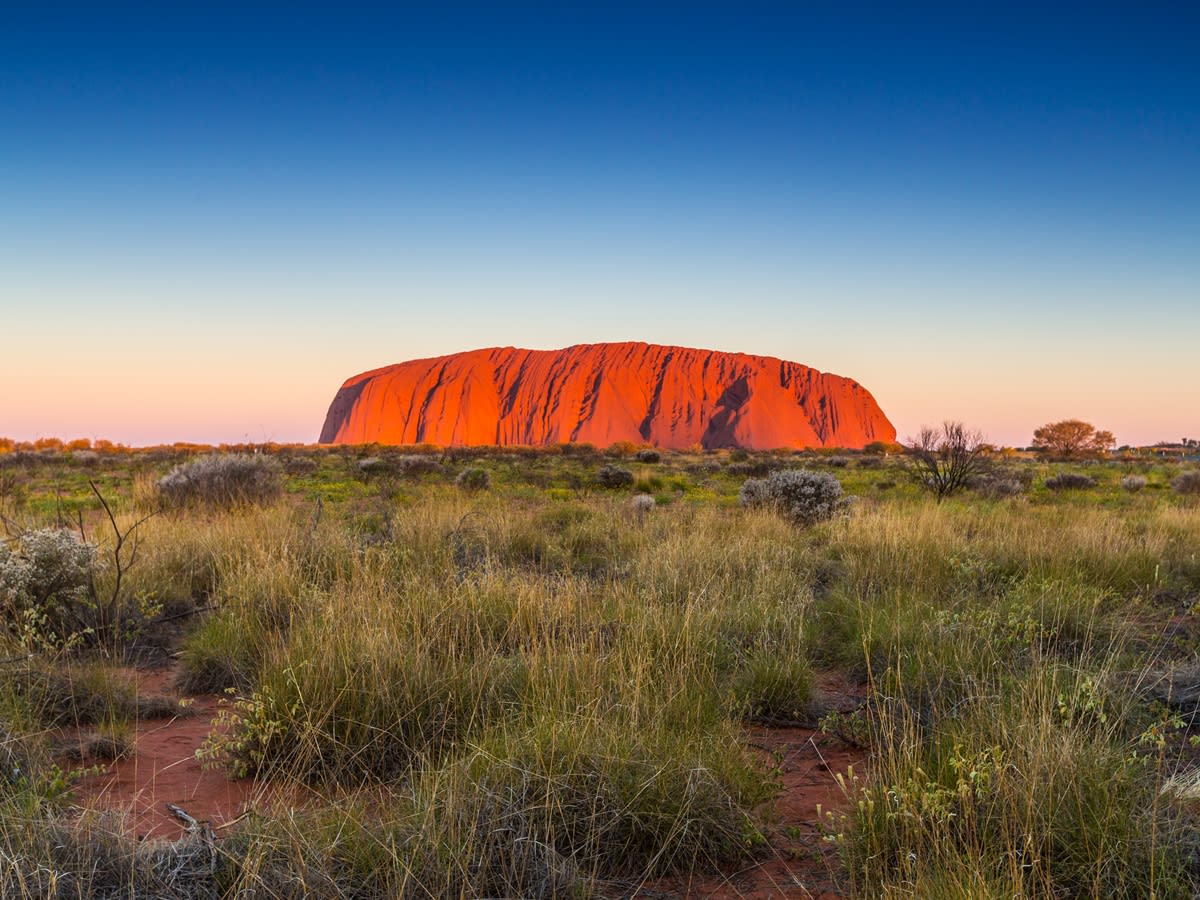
x,y
212,215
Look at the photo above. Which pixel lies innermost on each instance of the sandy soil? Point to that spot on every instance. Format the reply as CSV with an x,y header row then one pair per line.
x,y
163,769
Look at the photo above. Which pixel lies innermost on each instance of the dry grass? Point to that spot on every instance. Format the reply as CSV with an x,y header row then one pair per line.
x,y
535,691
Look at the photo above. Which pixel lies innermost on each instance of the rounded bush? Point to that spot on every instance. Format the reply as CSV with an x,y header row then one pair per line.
x,y
801,496
300,465
1187,482
373,465
614,476
1133,483
1004,487
474,479
418,464
642,504
224,480
45,579
648,455
1070,481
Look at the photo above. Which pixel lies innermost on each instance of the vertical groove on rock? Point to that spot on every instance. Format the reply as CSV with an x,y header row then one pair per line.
x,y
672,397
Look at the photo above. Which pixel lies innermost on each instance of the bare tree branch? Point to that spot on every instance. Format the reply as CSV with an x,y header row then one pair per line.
x,y
946,459
108,609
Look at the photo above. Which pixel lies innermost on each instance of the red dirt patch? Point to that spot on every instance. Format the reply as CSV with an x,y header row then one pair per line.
x,y
162,768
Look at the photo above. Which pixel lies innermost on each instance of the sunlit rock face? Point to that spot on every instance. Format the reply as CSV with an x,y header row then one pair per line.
x,y
669,397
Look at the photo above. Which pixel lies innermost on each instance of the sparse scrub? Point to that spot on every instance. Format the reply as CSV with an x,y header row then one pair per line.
x,y
526,694
998,485
299,466
626,802
614,477
801,496
87,458
775,686
1026,789
374,465
642,505
222,480
1069,481
57,693
1133,483
474,479
418,464
1187,483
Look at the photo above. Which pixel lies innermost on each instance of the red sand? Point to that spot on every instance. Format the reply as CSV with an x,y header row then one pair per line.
x,y
671,397
163,769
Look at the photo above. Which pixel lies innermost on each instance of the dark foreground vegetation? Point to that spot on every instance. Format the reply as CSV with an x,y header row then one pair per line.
x,y
528,673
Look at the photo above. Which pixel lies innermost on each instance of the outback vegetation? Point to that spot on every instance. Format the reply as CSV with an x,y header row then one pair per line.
x,y
1072,439
566,672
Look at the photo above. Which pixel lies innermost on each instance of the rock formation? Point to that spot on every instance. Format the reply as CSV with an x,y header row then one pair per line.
x,y
670,397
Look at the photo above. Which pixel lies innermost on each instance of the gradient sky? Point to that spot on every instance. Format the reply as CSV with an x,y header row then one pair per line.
x,y
212,215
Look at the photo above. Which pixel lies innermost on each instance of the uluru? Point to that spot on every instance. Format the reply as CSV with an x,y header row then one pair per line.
x,y
669,397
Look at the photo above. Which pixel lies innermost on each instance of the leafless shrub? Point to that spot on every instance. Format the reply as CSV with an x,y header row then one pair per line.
x,y
946,459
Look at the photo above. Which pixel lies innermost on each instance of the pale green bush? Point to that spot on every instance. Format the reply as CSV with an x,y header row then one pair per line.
x,y
801,496
222,480
45,586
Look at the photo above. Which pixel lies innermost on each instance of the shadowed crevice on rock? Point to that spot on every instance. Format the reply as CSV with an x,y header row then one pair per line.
x,y
670,397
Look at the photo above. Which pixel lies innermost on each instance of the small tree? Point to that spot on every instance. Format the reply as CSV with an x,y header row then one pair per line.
x,y
946,459
1072,438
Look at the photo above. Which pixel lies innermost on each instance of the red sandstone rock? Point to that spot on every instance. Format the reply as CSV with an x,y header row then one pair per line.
x,y
671,397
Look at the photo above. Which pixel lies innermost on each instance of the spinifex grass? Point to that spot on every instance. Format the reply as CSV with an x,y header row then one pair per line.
x,y
535,691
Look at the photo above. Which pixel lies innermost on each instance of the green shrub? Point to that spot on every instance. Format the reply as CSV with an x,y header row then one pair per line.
x,y
613,477
775,686
474,479
1041,775
614,802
